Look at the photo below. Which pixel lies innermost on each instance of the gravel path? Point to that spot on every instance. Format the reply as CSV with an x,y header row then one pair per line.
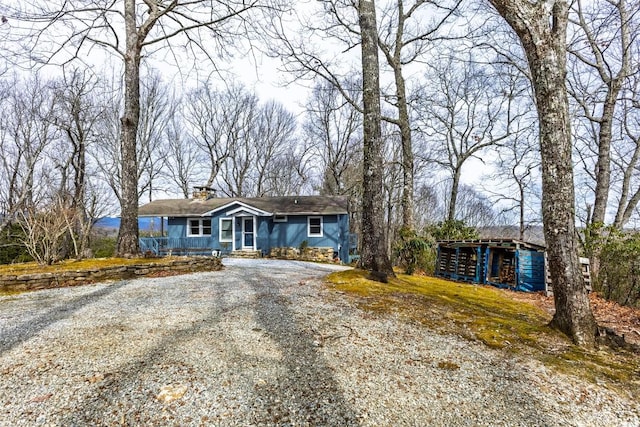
x,y
263,343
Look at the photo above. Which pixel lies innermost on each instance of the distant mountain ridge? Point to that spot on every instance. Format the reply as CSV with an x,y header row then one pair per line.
x,y
144,223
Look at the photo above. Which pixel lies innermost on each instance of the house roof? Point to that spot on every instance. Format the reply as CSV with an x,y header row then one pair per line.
x,y
289,205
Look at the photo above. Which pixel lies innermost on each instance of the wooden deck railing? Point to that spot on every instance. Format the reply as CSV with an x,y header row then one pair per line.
x,y
180,245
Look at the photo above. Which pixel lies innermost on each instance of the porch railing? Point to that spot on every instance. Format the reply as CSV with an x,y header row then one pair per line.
x,y
180,245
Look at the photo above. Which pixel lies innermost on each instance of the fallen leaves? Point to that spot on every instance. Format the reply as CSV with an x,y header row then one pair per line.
x,y
42,398
621,319
169,393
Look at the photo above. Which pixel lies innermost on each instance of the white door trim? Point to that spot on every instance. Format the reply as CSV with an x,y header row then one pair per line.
x,y
253,246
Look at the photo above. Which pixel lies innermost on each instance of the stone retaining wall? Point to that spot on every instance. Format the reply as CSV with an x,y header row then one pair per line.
x,y
308,254
31,282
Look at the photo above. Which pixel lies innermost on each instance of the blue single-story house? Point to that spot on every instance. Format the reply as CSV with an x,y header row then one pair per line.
x,y
206,224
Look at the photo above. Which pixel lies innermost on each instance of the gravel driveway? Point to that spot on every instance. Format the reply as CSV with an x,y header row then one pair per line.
x,y
263,343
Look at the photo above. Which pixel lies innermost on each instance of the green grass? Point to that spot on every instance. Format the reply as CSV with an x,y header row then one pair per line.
x,y
488,315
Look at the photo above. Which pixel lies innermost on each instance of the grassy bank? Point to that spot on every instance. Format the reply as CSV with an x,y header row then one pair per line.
x,y
488,315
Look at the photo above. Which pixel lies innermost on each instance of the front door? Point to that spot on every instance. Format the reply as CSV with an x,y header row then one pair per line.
x,y
248,235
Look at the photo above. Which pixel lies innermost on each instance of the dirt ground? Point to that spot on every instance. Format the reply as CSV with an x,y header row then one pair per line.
x,y
625,321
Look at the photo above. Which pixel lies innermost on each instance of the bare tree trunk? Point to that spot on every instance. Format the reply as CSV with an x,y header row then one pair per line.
x,y
521,209
588,50
128,233
394,59
453,195
407,150
374,255
543,37
603,166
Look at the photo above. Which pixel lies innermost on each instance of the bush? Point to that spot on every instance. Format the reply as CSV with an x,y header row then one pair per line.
x,y
415,252
452,230
619,276
11,248
412,252
103,246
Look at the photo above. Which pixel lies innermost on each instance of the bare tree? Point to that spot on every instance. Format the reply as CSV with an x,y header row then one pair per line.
x,y
216,119
44,231
408,29
156,109
403,39
77,115
334,129
273,136
466,111
628,155
393,182
374,241
182,155
476,209
603,59
106,156
289,173
542,29
429,207
514,183
239,118
26,132
64,30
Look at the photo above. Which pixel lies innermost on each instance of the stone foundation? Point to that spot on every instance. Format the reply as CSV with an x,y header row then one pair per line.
x,y
307,254
32,282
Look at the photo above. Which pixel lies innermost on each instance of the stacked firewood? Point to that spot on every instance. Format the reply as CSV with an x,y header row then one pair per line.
x,y
507,274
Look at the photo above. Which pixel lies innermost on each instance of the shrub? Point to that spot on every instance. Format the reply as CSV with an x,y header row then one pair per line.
x,y
11,248
415,252
619,276
412,252
44,232
451,230
103,246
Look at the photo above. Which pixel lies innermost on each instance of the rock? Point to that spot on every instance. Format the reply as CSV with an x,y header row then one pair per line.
x,y
169,393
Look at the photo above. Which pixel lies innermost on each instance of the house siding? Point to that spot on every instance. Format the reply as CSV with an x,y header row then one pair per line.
x,y
269,234
262,238
177,227
294,232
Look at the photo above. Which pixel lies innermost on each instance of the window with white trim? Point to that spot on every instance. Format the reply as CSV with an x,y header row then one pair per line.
x,y
197,227
314,226
279,218
226,230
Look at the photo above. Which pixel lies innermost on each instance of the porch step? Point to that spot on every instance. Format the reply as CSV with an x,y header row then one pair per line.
x,y
246,254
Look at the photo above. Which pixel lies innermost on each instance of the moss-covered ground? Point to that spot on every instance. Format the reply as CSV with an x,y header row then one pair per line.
x,y
485,314
75,265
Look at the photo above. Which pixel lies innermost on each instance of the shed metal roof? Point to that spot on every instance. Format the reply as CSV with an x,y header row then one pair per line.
x,y
287,205
497,243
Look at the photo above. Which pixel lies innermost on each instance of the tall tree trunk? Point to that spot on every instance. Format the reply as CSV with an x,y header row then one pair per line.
x,y
603,166
394,59
542,33
613,84
521,209
128,233
407,149
603,172
374,255
453,195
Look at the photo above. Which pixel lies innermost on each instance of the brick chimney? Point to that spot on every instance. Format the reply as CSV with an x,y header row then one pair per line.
x,y
203,193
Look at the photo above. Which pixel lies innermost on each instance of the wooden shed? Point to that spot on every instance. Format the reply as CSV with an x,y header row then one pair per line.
x,y
505,263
